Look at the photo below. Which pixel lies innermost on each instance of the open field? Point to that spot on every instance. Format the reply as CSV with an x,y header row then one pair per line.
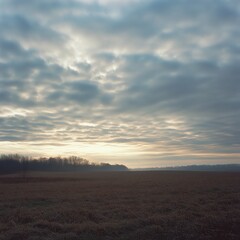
x,y
120,205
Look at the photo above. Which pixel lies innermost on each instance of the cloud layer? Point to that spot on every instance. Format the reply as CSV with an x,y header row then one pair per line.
x,y
145,83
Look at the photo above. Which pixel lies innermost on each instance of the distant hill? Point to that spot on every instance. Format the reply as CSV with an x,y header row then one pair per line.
x,y
206,168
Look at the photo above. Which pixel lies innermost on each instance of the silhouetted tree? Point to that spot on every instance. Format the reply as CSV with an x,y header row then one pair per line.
x,y
17,163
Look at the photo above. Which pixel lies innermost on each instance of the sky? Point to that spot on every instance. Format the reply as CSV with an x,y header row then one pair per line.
x,y
142,83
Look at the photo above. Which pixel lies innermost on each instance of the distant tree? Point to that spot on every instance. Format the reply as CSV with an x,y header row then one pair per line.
x,y
17,163
25,168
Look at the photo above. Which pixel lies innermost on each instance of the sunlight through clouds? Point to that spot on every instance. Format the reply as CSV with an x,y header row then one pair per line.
x,y
144,83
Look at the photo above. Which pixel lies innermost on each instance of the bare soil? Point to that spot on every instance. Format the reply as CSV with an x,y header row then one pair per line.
x,y
120,205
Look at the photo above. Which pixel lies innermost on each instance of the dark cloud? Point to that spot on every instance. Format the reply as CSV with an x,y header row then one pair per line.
x,y
78,92
28,29
12,49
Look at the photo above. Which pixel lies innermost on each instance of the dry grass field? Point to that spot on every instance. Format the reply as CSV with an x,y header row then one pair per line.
x,y
120,205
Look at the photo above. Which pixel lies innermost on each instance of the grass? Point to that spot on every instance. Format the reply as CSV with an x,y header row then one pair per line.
x,y
120,205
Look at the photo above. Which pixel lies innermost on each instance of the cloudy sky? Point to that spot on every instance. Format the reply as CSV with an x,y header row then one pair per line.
x,y
143,83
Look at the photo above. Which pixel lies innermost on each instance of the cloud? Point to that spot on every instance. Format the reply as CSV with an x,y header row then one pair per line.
x,y
158,80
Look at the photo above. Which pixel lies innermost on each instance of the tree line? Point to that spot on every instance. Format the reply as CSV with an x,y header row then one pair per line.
x,y
12,163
